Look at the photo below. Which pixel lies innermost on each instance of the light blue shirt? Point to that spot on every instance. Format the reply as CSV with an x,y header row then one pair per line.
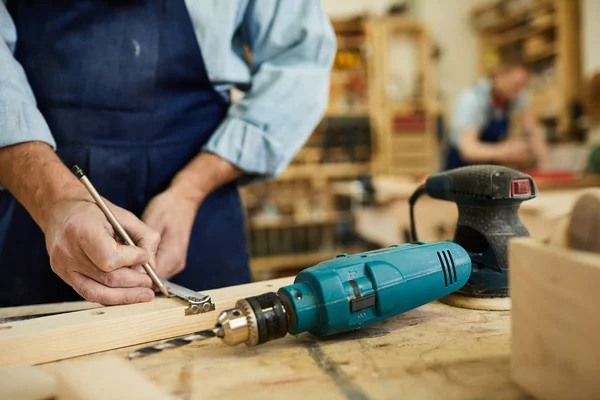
x,y
473,110
292,44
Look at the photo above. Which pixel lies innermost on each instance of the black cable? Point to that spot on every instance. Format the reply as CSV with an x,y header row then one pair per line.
x,y
411,202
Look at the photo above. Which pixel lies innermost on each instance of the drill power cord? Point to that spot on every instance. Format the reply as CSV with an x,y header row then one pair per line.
x,y
420,191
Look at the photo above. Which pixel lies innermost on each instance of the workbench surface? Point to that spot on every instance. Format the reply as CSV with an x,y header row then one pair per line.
x,y
433,352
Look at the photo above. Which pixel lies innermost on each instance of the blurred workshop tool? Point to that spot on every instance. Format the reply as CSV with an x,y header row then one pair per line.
x,y
488,198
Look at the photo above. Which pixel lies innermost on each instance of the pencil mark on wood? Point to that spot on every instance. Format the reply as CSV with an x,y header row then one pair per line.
x,y
365,333
284,381
339,377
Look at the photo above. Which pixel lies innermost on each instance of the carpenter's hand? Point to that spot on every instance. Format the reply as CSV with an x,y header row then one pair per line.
x,y
172,215
515,150
84,253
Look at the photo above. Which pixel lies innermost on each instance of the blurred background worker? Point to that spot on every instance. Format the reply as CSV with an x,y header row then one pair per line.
x,y
481,122
137,94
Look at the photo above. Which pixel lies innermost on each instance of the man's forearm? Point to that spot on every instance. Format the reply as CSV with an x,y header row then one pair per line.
x,y
205,173
536,136
38,179
539,145
480,152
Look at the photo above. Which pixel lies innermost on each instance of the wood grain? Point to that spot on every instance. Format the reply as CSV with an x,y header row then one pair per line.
x,y
584,228
104,378
555,320
23,382
41,309
433,352
84,332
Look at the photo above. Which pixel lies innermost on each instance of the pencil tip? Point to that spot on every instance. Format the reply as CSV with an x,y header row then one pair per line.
x,y
77,171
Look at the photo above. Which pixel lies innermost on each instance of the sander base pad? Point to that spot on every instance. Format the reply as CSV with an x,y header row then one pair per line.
x,y
478,303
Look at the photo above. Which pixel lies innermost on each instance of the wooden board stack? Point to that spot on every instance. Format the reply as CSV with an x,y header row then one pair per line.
x,y
555,320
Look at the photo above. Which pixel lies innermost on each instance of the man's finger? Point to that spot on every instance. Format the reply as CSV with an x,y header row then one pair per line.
x,y
104,252
141,234
139,269
96,293
122,278
169,258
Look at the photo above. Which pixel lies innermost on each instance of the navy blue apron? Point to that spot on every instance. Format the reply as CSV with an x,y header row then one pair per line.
x,y
124,89
495,131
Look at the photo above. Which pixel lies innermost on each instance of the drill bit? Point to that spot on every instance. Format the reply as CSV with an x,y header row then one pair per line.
x,y
177,342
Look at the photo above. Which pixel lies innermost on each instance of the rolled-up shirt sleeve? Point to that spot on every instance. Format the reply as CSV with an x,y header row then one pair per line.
x,y
293,46
469,114
20,119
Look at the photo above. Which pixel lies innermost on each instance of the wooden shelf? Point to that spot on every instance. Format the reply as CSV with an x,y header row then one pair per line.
x,y
347,114
291,261
401,25
350,42
551,27
326,170
291,222
542,55
411,154
408,107
509,21
521,34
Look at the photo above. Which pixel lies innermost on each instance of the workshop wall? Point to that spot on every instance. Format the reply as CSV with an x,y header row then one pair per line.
x,y
449,24
450,27
590,32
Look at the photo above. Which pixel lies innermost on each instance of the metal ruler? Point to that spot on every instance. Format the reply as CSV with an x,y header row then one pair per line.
x,y
198,303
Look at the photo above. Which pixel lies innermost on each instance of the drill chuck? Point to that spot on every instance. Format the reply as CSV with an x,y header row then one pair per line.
x,y
255,320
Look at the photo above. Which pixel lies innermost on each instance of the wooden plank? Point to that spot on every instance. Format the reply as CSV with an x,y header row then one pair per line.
x,y
22,382
85,332
41,309
584,228
332,170
280,222
555,320
433,352
104,378
291,261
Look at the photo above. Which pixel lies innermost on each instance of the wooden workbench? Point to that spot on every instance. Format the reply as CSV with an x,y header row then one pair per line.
x,y
433,352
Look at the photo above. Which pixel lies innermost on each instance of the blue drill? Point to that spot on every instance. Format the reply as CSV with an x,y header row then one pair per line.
x,y
345,293
349,292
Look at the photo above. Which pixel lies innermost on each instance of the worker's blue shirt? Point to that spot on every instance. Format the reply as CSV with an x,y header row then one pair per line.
x,y
292,45
474,111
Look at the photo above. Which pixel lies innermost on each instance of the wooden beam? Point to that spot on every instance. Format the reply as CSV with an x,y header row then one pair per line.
x,y
84,332
104,378
41,309
22,382
555,320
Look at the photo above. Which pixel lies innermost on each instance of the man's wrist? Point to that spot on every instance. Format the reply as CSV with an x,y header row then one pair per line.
x,y
50,200
185,187
34,174
205,173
